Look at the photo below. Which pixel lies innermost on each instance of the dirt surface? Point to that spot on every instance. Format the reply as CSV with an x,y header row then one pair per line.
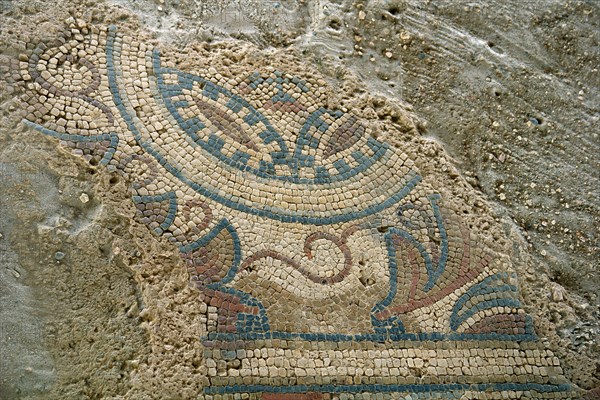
x,y
70,321
508,89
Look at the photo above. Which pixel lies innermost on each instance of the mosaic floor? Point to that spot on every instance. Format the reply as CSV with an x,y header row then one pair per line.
x,y
327,264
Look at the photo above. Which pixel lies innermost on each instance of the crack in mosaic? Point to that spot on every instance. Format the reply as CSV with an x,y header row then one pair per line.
x,y
308,238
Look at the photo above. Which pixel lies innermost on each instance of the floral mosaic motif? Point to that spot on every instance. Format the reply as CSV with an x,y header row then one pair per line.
x,y
294,223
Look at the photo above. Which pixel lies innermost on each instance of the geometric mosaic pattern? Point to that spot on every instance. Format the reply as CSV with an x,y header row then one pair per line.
x,y
327,265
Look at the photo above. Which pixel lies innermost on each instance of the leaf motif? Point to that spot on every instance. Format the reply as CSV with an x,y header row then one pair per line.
x,y
344,137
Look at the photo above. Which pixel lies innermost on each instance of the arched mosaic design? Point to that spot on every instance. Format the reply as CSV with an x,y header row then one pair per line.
x,y
327,263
